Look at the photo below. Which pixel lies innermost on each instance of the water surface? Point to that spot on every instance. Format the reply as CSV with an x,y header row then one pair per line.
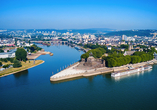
x,y
32,89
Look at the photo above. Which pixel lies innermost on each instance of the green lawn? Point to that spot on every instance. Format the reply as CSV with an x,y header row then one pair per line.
x,y
24,67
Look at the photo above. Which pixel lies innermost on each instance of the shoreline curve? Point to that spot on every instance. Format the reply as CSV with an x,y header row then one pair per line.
x,y
21,70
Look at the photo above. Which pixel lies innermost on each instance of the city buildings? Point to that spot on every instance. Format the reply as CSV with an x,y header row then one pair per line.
x,y
24,36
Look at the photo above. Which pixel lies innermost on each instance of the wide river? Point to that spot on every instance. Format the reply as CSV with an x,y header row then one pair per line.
x,y
32,89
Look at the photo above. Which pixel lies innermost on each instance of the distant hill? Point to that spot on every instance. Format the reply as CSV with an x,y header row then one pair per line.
x,y
105,31
132,33
81,31
75,31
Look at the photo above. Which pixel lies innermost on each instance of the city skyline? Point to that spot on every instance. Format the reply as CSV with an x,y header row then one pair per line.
x,y
46,14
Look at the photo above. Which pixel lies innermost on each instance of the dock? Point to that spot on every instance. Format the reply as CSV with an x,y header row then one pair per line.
x,y
33,56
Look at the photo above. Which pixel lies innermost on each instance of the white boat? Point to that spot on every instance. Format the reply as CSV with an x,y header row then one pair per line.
x,y
130,71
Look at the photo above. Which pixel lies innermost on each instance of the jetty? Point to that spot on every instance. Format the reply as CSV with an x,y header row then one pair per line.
x,y
74,71
33,56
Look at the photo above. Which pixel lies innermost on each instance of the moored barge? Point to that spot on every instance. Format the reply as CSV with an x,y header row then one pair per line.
x,y
131,71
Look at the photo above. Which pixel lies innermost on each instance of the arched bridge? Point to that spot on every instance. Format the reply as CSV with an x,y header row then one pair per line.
x,y
55,42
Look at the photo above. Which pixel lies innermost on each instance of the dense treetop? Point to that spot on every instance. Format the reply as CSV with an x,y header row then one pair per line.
x,y
17,64
21,54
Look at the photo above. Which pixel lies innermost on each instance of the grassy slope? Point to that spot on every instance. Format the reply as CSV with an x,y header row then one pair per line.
x,y
24,67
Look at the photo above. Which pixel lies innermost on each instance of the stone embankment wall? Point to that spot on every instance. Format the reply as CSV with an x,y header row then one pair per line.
x,y
120,68
99,70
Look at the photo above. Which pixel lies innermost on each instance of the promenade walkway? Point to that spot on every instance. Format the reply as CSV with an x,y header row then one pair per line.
x,y
73,71
68,72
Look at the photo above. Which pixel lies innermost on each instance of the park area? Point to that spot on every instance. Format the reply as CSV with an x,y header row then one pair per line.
x,y
25,65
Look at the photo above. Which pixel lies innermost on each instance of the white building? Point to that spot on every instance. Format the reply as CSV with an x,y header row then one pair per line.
x,y
109,47
68,34
10,54
92,36
130,39
85,36
123,37
128,53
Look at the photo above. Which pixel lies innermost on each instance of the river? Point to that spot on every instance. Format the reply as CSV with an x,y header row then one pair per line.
x,y
32,89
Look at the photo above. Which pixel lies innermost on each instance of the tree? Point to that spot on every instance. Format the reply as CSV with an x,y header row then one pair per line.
x,y
125,60
17,64
27,49
102,50
122,61
97,53
11,60
0,63
135,59
124,46
6,66
139,53
85,56
138,59
5,60
118,61
15,41
104,57
143,57
1,51
34,48
112,62
21,54
128,59
29,42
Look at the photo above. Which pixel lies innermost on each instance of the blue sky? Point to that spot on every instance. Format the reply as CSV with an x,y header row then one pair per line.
x,y
78,14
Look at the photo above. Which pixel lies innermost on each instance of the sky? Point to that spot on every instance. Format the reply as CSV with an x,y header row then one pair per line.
x,y
78,14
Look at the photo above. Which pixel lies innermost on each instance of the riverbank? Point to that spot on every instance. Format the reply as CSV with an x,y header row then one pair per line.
x,y
25,66
37,54
73,72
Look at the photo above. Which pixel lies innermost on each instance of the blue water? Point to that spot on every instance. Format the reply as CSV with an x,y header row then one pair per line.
x,y
32,89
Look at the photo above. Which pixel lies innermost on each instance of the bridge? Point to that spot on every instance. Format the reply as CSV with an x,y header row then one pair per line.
x,y
54,42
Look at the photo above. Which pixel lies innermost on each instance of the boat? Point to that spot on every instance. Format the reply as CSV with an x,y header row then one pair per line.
x,y
78,48
131,71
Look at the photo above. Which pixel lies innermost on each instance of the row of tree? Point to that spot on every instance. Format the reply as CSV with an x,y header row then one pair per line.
x,y
7,59
119,60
